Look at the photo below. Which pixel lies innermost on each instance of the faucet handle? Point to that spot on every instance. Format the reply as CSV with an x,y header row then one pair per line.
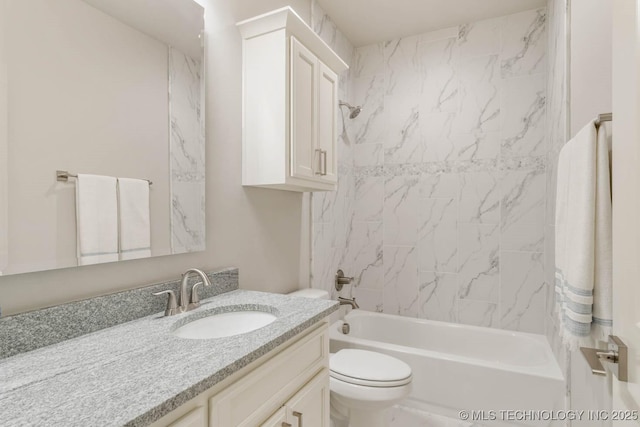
x,y
172,305
195,300
342,280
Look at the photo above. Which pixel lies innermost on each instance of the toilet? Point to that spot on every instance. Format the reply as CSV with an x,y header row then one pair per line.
x,y
364,384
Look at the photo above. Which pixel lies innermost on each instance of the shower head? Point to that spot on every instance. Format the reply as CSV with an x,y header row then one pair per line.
x,y
353,111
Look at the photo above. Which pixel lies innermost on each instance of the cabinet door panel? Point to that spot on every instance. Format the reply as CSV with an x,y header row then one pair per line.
x,y
250,400
195,418
304,69
327,122
310,406
279,419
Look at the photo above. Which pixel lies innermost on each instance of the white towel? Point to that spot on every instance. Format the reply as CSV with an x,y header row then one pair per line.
x,y
135,223
583,238
602,324
96,219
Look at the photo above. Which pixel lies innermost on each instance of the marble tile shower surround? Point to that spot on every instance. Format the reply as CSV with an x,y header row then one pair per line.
x,y
29,331
187,151
557,135
331,211
444,203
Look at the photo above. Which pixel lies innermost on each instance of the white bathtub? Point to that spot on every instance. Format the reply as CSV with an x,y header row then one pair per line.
x,y
458,367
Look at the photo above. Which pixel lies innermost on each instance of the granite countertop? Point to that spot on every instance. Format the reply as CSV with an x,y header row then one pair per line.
x,y
134,373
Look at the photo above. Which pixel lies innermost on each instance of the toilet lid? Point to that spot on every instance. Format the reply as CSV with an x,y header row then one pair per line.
x,y
369,368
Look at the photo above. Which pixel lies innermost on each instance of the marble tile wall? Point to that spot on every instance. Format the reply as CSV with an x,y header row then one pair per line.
x,y
186,142
332,211
557,135
444,195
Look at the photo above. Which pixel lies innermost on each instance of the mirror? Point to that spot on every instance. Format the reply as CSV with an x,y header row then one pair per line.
x,y
101,87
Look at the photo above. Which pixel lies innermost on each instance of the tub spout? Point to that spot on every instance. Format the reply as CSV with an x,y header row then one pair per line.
x,y
348,301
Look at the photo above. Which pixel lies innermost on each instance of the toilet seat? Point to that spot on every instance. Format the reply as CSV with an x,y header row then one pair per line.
x,y
368,368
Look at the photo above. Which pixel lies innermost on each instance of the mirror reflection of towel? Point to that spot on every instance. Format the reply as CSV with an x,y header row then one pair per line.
x,y
97,219
135,224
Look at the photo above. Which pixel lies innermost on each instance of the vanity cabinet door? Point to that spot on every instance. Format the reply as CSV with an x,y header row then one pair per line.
x,y
195,418
309,407
253,399
279,419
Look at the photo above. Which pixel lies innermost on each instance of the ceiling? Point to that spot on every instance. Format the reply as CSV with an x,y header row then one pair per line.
x,y
371,21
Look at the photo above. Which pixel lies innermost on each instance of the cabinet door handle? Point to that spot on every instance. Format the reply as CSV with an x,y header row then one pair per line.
x,y
319,171
285,424
324,162
298,415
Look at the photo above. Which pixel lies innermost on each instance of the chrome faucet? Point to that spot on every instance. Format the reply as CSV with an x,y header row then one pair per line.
x,y
184,304
195,301
348,301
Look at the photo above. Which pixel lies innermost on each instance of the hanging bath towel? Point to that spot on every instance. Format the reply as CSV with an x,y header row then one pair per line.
x,y
96,219
583,238
135,220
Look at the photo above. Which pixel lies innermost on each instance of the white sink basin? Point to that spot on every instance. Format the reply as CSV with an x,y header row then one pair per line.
x,y
225,325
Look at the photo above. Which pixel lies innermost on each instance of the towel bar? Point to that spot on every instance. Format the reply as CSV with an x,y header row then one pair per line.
x,y
603,117
616,355
63,176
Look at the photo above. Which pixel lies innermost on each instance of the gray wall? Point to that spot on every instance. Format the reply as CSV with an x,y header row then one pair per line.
x,y
3,137
257,230
590,90
591,60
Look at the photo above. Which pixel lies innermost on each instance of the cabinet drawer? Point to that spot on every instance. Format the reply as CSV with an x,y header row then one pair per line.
x,y
253,398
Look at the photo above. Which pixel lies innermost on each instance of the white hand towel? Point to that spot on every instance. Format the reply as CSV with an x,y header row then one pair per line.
x,y
96,219
583,238
135,223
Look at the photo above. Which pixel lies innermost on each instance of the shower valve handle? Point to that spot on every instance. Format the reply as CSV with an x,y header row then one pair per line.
x,y
342,280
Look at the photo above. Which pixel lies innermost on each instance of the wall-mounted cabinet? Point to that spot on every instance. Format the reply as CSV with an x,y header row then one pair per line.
x,y
290,104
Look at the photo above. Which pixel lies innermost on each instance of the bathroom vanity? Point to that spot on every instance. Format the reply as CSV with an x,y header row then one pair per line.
x,y
141,373
288,385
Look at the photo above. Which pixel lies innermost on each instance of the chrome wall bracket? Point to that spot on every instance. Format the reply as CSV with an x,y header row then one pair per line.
x,y
616,356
